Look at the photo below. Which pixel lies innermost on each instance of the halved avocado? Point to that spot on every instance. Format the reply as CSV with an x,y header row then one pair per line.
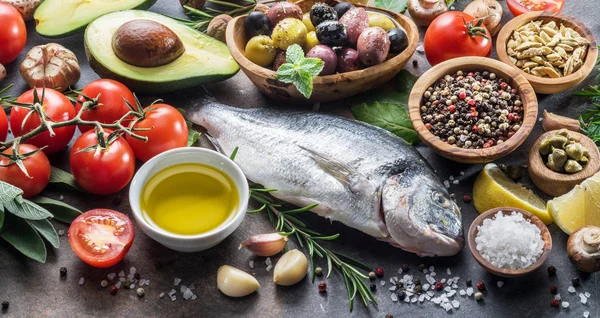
x,y
59,18
205,59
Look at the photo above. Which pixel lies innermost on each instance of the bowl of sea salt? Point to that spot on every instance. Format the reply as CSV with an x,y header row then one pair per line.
x,y
509,242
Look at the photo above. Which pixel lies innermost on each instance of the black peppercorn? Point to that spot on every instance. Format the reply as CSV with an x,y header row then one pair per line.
x,y
63,271
421,267
137,276
551,271
417,281
401,295
575,281
405,267
373,287
469,283
418,289
5,305
389,316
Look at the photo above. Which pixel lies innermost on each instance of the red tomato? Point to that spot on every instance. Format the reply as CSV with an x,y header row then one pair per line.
x,y
448,37
57,107
13,33
3,125
101,171
37,166
111,102
101,237
168,131
518,7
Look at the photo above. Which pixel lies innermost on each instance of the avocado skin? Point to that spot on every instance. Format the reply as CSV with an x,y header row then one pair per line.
x,y
144,6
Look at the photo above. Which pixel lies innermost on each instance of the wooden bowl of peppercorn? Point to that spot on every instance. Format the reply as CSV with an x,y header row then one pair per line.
x,y
548,85
510,121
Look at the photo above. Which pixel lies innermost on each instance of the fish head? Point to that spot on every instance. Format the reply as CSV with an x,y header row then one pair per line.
x,y
420,216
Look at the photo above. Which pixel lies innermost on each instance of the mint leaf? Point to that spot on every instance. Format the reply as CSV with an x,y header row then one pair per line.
x,y
46,230
61,211
312,65
391,117
27,210
405,81
192,134
392,5
286,70
304,82
18,233
62,178
294,53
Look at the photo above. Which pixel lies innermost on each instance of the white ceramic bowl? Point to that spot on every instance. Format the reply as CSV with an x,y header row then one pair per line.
x,y
189,243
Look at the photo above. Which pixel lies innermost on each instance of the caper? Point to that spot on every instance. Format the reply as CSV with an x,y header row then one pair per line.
x,y
575,151
583,161
572,166
544,146
557,159
563,132
558,141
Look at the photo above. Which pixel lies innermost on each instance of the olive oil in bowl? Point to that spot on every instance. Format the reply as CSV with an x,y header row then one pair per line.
x,y
189,199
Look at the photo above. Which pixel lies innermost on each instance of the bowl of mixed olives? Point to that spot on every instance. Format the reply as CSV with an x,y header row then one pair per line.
x,y
561,159
361,47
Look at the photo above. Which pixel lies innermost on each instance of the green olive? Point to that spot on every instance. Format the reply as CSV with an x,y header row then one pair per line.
x,y
575,151
583,161
311,41
545,147
572,166
289,31
306,20
380,20
260,50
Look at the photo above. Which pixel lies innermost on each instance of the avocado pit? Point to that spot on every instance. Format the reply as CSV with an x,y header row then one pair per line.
x,y
146,43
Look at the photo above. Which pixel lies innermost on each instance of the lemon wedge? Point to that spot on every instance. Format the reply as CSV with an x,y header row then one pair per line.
x,y
578,207
493,189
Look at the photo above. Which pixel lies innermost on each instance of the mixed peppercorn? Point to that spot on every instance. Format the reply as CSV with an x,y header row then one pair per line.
x,y
472,110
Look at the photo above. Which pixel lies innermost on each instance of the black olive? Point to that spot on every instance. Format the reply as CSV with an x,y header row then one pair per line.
x,y
398,40
257,23
342,8
332,33
321,12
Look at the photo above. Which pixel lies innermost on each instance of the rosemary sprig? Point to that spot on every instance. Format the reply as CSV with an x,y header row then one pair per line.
x,y
289,224
590,119
199,19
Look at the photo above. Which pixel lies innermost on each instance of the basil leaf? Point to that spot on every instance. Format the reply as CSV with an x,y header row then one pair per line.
x,y
313,66
392,5
405,81
62,212
27,210
391,117
192,134
46,230
9,192
61,177
293,54
18,233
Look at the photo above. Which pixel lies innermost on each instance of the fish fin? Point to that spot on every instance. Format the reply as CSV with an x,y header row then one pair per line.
x,y
215,143
336,169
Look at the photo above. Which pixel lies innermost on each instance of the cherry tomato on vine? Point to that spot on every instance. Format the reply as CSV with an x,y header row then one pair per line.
x,y
37,166
110,105
518,7
456,34
56,106
168,131
101,237
101,170
3,125
13,33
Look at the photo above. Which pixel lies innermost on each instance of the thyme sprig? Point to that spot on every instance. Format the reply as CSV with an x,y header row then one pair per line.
x,y
199,19
289,224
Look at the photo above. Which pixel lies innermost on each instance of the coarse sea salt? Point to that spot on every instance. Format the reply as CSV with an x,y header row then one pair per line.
x,y
509,241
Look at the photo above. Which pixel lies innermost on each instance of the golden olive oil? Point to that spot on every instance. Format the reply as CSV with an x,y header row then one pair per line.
x,y
189,199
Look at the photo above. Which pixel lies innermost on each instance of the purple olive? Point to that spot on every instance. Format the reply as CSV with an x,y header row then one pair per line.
x,y
325,54
356,21
348,60
373,46
282,10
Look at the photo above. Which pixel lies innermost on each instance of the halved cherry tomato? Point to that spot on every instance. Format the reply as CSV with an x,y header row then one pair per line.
x,y
518,7
101,237
37,166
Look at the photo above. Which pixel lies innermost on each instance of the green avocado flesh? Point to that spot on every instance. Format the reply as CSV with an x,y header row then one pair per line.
x,y
58,18
205,60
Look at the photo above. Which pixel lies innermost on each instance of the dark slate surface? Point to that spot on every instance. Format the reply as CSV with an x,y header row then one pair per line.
x,y
36,290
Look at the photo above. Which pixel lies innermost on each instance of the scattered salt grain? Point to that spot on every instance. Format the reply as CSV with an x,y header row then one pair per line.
x,y
586,314
436,300
269,267
582,298
172,292
557,296
431,268
192,287
161,295
455,303
427,297
433,274
122,273
176,281
382,283
194,297
407,299
414,299
430,279
111,276
142,282
132,286
454,286
588,295
447,307
455,181
393,288
393,280
187,294
81,281
421,298
130,276
122,279
451,293
61,232
147,282
571,289
132,270
173,298
420,48
451,179
447,288
118,285
449,272
443,280
251,263
509,241
182,289
394,297
469,291
268,261
430,293
565,304
462,173
399,271
446,183
462,292
426,287
500,284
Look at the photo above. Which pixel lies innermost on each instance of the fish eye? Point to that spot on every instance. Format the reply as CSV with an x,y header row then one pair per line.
x,y
440,199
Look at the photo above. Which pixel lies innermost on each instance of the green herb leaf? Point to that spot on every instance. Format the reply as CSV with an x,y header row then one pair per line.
x,y
46,230
312,65
27,210
392,5
63,178
304,82
8,192
18,233
405,81
1,218
449,2
391,117
61,211
192,134
299,70
294,54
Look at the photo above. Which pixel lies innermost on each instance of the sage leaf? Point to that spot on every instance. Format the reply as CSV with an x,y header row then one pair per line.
x,y
46,230
27,210
391,117
8,192
61,177
405,81
392,5
62,212
1,219
192,134
18,233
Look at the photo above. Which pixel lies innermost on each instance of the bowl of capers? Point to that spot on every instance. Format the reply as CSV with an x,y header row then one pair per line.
x,y
561,159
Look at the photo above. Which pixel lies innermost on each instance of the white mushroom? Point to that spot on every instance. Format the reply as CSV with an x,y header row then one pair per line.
x,y
51,66
489,10
424,11
583,248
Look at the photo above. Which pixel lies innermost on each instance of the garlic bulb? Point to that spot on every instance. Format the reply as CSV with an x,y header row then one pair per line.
x,y
291,268
51,66
235,283
265,244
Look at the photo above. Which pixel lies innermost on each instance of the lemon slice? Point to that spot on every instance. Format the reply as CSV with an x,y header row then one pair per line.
x,y
493,189
578,207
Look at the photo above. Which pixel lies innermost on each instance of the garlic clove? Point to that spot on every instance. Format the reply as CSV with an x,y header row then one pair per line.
x,y
291,268
553,121
235,283
265,244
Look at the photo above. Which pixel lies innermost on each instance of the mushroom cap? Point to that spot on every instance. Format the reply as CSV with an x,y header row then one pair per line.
x,y
583,248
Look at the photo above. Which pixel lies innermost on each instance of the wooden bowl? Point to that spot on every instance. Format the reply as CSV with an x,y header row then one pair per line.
x,y
544,85
325,88
472,63
554,183
473,230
